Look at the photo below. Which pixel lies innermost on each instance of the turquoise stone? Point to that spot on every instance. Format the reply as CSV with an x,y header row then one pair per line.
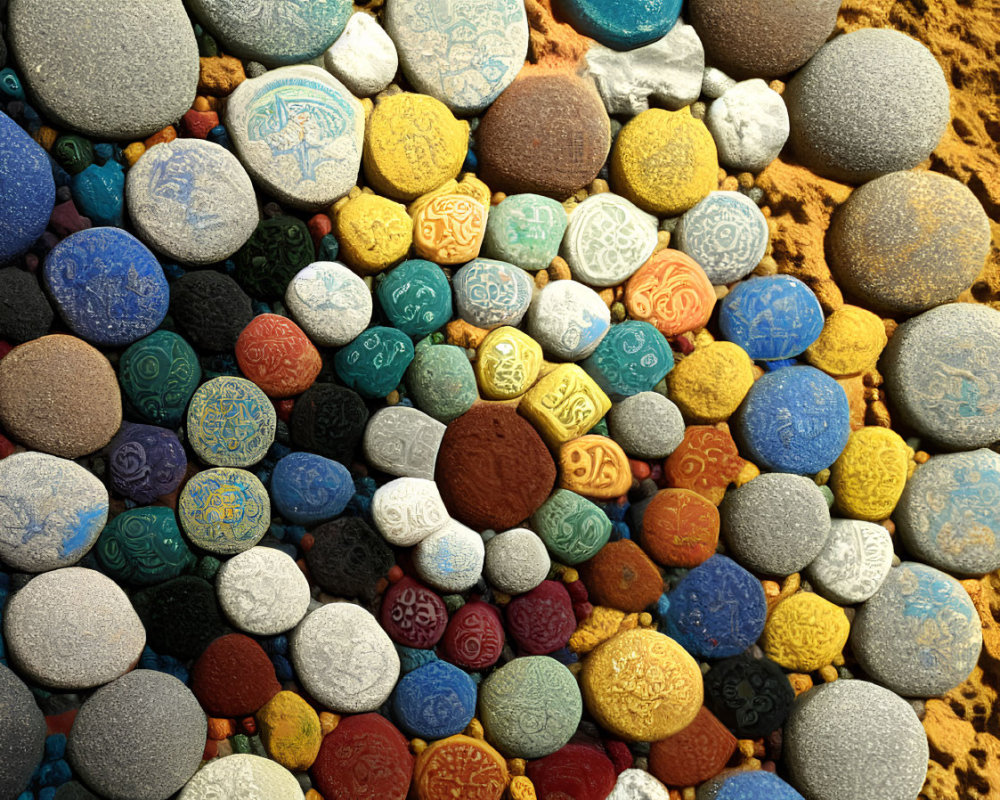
x,y
158,375
441,382
416,297
632,358
623,24
143,546
526,230
572,527
374,363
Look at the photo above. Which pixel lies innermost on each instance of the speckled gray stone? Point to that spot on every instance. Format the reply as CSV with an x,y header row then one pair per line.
x,y
331,303
715,82
869,102
22,734
942,374
72,628
408,510
568,320
637,784
262,591
242,775
451,558
749,123
853,739
726,233
364,57
775,524
908,241
124,80
138,738
853,562
646,425
403,441
74,790
608,239
516,561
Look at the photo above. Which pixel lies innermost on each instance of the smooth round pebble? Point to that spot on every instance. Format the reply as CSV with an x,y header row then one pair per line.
x,y
622,576
369,740
853,563
143,546
747,317
416,297
646,425
347,558
573,528
363,57
568,320
223,438
274,353
679,528
307,488
434,701
233,677
542,620
525,230
490,293
330,420
22,734
751,696
516,561
403,441
210,309
413,614
290,731
749,123
242,775
851,341
726,234
408,510
622,26
637,784
580,771
331,303
607,240
28,192
804,632
224,510
146,462
442,382
756,785
262,591
451,558
631,358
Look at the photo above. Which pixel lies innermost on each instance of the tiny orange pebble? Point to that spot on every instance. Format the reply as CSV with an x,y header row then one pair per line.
x,y
328,721
219,729
168,134
395,573
312,794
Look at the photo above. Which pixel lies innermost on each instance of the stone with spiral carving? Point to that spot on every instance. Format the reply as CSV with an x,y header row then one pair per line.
x,y
412,614
230,422
449,229
475,636
672,292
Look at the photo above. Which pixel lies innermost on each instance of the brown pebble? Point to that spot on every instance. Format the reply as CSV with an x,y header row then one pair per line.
x,y
622,576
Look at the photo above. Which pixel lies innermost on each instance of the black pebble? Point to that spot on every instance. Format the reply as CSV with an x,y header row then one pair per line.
x,y
348,558
330,420
25,314
181,616
279,248
210,308
750,696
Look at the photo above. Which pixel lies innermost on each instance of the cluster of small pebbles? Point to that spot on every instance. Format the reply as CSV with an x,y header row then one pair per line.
x,y
383,415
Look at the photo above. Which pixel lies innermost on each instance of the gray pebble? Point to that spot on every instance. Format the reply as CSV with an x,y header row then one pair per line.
x,y
568,320
489,294
715,83
245,776
403,441
74,790
608,239
853,739
853,562
450,559
22,734
775,524
408,510
749,123
646,425
363,58
331,303
516,561
726,233
635,784
262,591
138,738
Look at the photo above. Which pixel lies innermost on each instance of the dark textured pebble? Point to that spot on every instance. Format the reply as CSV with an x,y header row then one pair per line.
x,y
750,696
25,314
22,734
275,252
210,308
181,616
233,677
348,558
330,420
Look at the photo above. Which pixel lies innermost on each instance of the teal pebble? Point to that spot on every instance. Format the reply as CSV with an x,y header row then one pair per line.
x,y
526,230
143,546
632,358
99,193
374,363
572,527
441,382
158,375
416,297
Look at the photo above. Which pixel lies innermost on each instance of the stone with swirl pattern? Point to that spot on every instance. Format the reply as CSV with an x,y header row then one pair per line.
x,y
434,701
158,375
594,466
371,740
706,462
458,766
475,636
449,229
413,614
274,353
694,754
564,404
672,292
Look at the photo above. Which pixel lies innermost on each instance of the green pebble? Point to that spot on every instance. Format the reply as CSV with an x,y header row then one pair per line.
x,y
158,375
207,567
416,297
374,363
441,382
73,153
241,743
828,494
274,254
572,527
143,546
525,230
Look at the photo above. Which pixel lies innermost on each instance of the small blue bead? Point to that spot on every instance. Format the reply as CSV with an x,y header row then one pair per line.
x,y
10,84
55,746
282,668
54,773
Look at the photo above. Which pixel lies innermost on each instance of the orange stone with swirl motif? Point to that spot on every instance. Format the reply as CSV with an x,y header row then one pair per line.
x,y
275,354
672,292
680,528
594,466
706,461
449,229
460,766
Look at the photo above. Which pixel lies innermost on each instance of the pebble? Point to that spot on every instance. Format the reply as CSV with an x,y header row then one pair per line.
x,y
348,558
233,677
750,696
344,659
331,303
298,131
224,510
520,139
143,546
908,241
449,228
507,363
755,785
307,489
434,701
637,784
525,230
416,297
412,614
141,72
158,375
403,441
607,240
329,420
192,200
693,755
853,563
710,383
290,731
623,27
622,576
530,707
28,192
869,102
542,620
373,741
851,341
451,558
855,739
107,286
516,561
580,771
222,439
277,250
72,628
749,123
626,666
441,382
474,638
794,420
242,775
138,738
706,461
726,235
51,512
210,309
489,294
568,319
805,632
374,232
869,475
22,734
363,57
919,634
680,528
262,591
747,317
564,404
181,616
666,71
573,528
672,292
407,510
146,462
594,466
941,373
460,765
25,313
664,161
647,425
375,362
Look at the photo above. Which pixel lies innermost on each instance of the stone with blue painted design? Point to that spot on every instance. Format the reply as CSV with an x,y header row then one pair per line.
x,y
756,785
27,192
230,422
51,511
772,318
146,462
107,286
224,510
374,363
451,558
525,230
727,235
416,297
434,701
623,25
608,239
144,546
331,303
794,420
491,293
568,320
307,489
158,375
632,358
298,131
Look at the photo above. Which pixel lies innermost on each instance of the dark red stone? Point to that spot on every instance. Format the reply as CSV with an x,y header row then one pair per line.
x,y
622,576
412,614
620,755
693,755
364,758
233,677
474,637
542,620
574,772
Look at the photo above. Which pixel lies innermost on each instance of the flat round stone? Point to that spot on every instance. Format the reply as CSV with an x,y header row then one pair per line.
x,y
22,734
451,558
462,765
594,466
413,614
146,462
442,382
474,638
348,558
307,488
672,292
369,740
192,200
375,362
210,309
579,771
853,563
756,785
290,730
144,546
364,57
709,384
274,353
416,297
804,632
727,235
72,628
568,320
330,420
516,561
525,230
750,696
224,510
245,775
646,425
851,341
331,303
28,192
262,591
233,677
693,755
623,26
448,228
680,528
608,239
434,701
222,438
403,441
507,363
408,510
747,317
25,313
542,620
868,477
573,528
489,293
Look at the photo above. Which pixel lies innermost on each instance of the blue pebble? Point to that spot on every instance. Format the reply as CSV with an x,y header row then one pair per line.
x,y
27,190
48,793
434,701
410,658
10,84
794,420
282,668
773,317
55,746
756,785
622,24
54,773
307,489
633,357
717,610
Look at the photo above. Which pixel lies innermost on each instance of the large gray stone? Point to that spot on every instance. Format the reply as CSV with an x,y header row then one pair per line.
x,y
22,734
749,123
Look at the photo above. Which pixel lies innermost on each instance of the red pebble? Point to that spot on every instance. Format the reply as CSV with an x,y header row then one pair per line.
x,y
474,637
211,750
619,754
274,353
542,620
582,611
364,758
5,347
199,123
319,226
577,591
640,469
413,614
65,219
284,408
574,772
248,726
233,677
395,573
693,755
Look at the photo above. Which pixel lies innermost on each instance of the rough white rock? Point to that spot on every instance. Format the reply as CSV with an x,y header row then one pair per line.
x,y
568,320
403,441
637,784
608,239
516,561
262,591
749,123
450,559
330,302
242,775
364,58
408,510
715,82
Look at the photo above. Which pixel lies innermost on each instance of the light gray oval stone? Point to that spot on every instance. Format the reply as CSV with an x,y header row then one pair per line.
x,y
192,200
451,558
330,302
262,591
749,123
852,738
715,83
516,561
298,132
775,524
125,79
646,425
72,628
138,738
853,562
525,230
608,239
568,320
245,776
363,58
727,235
464,55
408,510
637,784
51,511
344,659
22,734
489,294
403,441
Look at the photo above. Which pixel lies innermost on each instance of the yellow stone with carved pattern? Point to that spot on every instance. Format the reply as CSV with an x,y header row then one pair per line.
x,y
805,632
507,363
374,232
460,767
851,341
869,476
594,466
564,404
449,229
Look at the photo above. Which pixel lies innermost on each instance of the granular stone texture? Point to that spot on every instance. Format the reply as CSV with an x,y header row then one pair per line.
x,y
622,576
146,462
368,739
646,425
474,638
451,558
348,558
143,546
215,434
22,734
262,591
694,754
750,696
580,771
408,510
181,616
402,441
726,234
749,123
331,303
233,677
804,632
434,701
853,563
28,192
242,775
516,561
412,614
330,420
210,309
542,620
25,313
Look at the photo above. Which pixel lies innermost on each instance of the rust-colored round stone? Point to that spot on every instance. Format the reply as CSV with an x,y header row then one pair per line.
x,y
493,469
459,766
59,395
547,134
542,620
233,677
623,577
475,636
693,755
275,353
680,528
364,758
706,461
573,772
672,292
413,615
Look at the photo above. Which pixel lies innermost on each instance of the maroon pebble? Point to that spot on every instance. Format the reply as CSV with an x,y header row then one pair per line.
x,y
574,772
412,614
233,677
364,758
542,620
474,637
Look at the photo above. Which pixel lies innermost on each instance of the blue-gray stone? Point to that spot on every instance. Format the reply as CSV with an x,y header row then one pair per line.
x,y
525,230
22,734
27,191
727,235
772,318
307,489
491,293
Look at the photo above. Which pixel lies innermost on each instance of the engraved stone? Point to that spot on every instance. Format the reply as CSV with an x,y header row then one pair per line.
x,y
307,488
516,561
230,422
413,614
727,235
143,546
475,636
507,363
672,292
416,297
434,701
608,239
158,375
573,528
365,756
449,228
364,57
403,441
330,420
262,591
748,317
564,404
407,510
224,510
632,358
751,696
451,558
525,229
489,293
146,462
853,562
460,766
568,319
242,775
637,784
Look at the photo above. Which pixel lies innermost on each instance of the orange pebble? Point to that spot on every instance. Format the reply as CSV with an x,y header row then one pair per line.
x,y
680,528
168,134
328,721
706,462
622,576
640,469
672,292
449,229
219,729
395,573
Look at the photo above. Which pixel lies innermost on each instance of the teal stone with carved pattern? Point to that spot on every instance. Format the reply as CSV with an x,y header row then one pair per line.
x,y
442,382
374,363
416,297
158,375
525,230
633,357
144,546
572,527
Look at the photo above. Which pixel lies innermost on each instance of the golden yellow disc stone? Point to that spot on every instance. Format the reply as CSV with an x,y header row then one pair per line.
x,y
594,466
805,632
374,232
507,363
851,341
869,476
564,404
709,384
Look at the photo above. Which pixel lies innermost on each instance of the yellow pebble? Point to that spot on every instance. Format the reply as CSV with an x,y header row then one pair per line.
x,y
46,136
564,404
312,794
828,673
594,466
133,152
413,144
474,729
851,341
805,632
709,384
521,788
328,722
507,363
473,187
570,575
869,476
374,233
746,747
601,625
746,474
290,731
417,746
516,766
664,161
449,229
